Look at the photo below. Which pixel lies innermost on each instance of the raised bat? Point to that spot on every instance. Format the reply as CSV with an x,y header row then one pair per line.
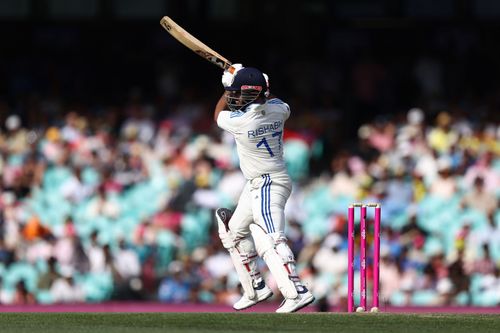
x,y
193,43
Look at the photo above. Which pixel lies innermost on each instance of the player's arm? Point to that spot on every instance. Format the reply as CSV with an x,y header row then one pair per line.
x,y
221,106
227,80
223,118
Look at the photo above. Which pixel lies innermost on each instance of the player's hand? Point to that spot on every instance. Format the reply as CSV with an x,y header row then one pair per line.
x,y
228,75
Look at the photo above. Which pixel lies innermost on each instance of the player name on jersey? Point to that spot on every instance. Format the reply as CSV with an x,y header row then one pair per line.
x,y
277,125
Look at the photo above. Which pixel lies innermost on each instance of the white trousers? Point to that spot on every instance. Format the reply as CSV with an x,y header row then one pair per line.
x,y
262,201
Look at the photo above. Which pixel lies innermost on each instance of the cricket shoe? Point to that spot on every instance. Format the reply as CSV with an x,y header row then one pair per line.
x,y
302,300
262,292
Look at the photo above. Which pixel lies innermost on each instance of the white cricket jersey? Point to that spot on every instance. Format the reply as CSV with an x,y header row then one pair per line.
x,y
259,136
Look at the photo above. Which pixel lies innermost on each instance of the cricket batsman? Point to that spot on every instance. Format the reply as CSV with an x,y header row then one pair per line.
x,y
256,227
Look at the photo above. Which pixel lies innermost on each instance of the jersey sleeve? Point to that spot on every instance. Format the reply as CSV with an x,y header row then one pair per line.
x,y
284,106
230,121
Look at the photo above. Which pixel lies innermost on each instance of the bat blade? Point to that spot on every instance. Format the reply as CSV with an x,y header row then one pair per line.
x,y
193,43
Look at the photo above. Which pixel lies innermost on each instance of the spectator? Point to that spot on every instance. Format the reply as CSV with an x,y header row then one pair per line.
x,y
22,296
126,262
458,275
64,290
47,279
479,199
444,187
74,189
442,137
95,253
485,265
173,288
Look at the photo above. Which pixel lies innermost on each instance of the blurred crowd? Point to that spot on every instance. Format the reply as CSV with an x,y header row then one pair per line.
x,y
438,182
92,210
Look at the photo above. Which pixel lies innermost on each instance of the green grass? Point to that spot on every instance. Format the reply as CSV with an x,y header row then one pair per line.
x,y
244,322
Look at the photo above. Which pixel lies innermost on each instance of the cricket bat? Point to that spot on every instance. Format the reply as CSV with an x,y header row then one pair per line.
x,y
193,43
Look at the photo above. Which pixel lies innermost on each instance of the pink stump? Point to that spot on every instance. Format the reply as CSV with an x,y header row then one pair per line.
x,y
376,256
350,259
362,270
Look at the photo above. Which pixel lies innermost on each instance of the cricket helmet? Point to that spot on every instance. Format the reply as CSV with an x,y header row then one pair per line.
x,y
249,83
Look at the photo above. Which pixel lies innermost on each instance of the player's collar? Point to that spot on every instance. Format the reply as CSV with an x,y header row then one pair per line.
x,y
252,107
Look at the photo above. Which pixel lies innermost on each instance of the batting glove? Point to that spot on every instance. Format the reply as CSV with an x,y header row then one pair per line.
x,y
228,75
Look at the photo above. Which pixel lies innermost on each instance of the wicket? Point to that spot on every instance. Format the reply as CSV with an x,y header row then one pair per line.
x,y
362,268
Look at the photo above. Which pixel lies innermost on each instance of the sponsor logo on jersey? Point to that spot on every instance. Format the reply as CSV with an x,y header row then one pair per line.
x,y
237,113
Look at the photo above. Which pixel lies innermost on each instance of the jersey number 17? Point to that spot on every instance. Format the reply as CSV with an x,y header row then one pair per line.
x,y
264,143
